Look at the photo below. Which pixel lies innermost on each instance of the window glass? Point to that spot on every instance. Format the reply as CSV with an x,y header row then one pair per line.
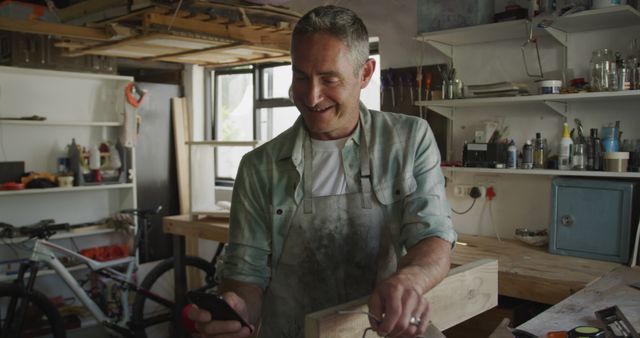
x,y
234,110
234,107
276,82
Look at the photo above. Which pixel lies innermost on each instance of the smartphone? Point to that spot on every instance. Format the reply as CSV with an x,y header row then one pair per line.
x,y
217,306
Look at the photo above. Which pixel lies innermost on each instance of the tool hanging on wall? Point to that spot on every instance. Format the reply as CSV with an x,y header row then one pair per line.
x,y
134,96
531,41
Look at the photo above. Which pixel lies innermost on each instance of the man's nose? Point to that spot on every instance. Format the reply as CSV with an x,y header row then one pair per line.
x,y
314,94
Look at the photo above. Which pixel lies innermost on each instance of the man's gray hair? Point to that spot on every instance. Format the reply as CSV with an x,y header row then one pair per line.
x,y
341,23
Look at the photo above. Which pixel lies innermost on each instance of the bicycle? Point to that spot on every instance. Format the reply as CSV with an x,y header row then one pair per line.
x,y
152,313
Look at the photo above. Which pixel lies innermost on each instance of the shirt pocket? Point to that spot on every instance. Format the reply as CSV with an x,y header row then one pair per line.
x,y
395,189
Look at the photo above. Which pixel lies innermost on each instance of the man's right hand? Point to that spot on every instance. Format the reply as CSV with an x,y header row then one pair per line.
x,y
209,327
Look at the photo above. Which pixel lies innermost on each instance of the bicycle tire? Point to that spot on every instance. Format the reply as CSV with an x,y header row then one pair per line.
x,y
37,299
150,282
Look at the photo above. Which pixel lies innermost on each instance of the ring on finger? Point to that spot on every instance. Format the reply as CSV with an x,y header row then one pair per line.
x,y
414,321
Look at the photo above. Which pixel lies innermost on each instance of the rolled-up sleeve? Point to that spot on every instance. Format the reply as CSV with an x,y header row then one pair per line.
x,y
426,210
246,257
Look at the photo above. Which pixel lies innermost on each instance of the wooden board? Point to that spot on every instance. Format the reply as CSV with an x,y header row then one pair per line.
x,y
467,291
181,134
612,289
215,229
531,273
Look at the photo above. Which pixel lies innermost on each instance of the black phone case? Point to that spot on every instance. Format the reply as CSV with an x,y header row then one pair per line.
x,y
217,306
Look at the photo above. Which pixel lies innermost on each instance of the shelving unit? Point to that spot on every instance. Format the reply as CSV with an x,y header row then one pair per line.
x,y
86,107
596,19
449,171
558,102
67,190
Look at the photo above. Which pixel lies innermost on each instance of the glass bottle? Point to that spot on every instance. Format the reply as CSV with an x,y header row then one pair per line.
x,y
597,150
539,152
527,155
602,67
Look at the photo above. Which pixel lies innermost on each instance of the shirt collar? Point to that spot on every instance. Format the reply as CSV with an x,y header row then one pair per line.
x,y
294,149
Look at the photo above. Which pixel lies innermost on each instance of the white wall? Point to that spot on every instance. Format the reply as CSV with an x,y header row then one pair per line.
x,y
522,201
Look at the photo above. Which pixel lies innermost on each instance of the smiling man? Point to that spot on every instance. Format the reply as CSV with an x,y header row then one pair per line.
x,y
348,202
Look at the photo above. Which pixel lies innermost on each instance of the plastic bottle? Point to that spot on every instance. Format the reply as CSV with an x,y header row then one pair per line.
x,y
566,144
539,153
527,155
512,155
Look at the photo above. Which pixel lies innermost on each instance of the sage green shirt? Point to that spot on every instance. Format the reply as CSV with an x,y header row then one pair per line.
x,y
405,175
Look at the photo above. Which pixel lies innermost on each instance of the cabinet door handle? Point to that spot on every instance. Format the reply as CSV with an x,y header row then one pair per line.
x,y
566,220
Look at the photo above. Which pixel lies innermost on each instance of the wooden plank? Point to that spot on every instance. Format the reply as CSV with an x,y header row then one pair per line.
x,y
611,289
181,134
214,49
467,291
528,272
87,7
276,41
50,28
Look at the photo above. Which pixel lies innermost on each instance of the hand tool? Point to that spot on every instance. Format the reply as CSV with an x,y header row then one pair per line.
x,y
217,306
616,324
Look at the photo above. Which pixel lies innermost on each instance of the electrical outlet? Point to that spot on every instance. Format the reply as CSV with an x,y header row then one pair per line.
x,y
464,190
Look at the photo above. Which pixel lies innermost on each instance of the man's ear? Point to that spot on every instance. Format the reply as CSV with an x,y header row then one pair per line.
x,y
367,72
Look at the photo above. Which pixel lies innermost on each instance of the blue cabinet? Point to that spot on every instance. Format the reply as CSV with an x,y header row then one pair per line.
x,y
594,218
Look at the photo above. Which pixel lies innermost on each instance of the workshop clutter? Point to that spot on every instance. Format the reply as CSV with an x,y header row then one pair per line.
x,y
603,149
107,252
100,164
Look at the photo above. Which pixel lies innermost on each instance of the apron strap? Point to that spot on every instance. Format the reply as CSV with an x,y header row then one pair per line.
x,y
365,170
307,176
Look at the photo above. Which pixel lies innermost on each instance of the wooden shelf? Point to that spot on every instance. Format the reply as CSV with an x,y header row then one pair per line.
x,y
448,171
66,190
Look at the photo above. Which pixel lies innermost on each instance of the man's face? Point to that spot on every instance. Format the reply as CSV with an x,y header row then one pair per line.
x,y
325,87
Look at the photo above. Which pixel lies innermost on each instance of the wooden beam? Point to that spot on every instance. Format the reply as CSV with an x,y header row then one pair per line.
x,y
50,28
467,291
87,7
233,32
195,52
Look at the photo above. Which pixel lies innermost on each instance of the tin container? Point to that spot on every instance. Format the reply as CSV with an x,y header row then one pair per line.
x,y
616,161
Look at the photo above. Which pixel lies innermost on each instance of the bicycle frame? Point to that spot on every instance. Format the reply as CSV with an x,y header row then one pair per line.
x,y
44,251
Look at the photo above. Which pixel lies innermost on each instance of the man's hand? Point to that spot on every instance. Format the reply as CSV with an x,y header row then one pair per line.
x,y
399,298
210,327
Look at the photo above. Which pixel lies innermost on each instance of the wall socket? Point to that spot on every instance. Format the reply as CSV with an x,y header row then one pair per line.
x,y
464,190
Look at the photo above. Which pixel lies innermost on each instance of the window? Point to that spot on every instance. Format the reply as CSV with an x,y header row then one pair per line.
x,y
252,103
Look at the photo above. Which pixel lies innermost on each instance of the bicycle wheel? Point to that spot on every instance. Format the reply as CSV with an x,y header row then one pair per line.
x,y
160,281
41,318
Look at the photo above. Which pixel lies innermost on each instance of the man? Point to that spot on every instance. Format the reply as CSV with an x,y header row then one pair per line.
x,y
325,212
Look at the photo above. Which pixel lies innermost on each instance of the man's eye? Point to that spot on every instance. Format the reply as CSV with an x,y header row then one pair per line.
x,y
331,80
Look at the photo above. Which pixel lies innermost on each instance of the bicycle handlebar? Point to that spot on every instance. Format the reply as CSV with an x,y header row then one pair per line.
x,y
42,229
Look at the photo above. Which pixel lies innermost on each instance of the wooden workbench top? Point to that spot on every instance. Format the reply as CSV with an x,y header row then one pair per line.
x,y
528,272
215,229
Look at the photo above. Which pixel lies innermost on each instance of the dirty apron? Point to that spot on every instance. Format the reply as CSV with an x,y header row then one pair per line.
x,y
336,248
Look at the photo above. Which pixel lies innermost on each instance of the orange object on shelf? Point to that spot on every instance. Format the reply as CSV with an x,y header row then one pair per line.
x,y
107,252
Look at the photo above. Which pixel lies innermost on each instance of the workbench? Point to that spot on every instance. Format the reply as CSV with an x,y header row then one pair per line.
x,y
525,272
609,290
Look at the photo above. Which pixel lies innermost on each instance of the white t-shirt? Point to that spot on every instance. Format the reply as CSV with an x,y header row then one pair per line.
x,y
328,172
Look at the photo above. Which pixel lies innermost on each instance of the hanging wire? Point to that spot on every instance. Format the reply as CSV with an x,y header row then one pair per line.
x,y
175,13
466,211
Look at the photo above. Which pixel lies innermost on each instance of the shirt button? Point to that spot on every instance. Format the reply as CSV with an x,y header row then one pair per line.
x,y
279,211
397,191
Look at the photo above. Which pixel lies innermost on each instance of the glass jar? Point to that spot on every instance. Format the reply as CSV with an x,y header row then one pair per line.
x,y
603,70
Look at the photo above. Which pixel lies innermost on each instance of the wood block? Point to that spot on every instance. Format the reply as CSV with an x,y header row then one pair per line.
x,y
467,291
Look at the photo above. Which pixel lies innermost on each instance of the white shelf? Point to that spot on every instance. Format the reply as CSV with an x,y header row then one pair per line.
x,y
43,272
64,123
67,190
595,19
37,72
496,101
447,171
558,102
64,235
